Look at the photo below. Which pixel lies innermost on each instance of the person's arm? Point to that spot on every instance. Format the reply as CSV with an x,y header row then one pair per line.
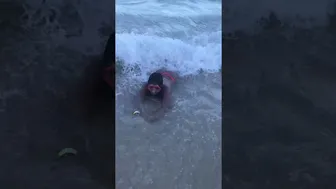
x,y
139,98
165,104
166,101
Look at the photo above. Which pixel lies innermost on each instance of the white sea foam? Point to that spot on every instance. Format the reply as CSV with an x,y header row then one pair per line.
x,y
153,52
155,34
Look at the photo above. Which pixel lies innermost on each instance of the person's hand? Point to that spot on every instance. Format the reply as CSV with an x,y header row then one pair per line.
x,y
150,119
155,116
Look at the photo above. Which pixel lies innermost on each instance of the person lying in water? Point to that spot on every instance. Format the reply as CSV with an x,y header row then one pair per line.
x,y
159,86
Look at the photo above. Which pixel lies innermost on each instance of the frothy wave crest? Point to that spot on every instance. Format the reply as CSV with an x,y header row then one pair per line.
x,y
149,53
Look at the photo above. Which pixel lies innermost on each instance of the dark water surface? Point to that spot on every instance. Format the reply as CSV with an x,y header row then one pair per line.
x,y
51,97
279,107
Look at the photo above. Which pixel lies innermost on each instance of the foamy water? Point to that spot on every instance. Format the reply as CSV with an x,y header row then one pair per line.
x,y
183,37
151,52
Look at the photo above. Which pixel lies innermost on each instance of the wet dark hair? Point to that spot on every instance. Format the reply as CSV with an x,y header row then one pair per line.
x,y
156,79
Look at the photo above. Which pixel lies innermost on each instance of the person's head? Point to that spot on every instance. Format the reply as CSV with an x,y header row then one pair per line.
x,y
155,82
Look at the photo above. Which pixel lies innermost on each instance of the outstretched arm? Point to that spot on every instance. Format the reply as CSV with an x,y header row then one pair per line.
x,y
139,98
165,104
166,101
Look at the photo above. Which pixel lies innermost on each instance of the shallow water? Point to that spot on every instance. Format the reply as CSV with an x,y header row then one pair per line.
x,y
182,150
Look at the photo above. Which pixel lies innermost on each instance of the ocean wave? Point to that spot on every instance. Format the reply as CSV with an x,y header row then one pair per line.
x,y
168,8
148,53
